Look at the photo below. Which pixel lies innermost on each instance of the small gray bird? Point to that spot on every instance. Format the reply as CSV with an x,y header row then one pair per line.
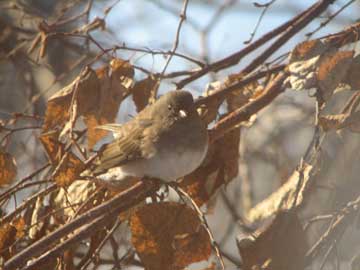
x,y
166,140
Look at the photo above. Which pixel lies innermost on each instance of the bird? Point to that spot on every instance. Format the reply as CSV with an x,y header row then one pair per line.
x,y
166,140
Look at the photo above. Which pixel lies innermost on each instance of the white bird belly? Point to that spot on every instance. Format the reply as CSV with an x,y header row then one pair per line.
x,y
167,166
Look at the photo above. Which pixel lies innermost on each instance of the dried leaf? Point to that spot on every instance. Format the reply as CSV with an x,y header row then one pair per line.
x,y
303,74
332,70
353,75
54,149
209,111
19,225
339,121
7,238
219,168
68,169
86,87
143,91
8,168
278,244
315,64
38,219
241,96
168,236
303,63
115,80
284,197
75,194
307,50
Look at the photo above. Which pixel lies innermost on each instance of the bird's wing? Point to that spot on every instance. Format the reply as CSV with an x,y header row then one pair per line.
x,y
125,148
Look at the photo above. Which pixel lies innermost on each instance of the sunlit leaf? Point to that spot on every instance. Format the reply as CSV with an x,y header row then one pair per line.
x,y
7,238
84,90
68,169
168,236
54,149
8,168
115,80
285,196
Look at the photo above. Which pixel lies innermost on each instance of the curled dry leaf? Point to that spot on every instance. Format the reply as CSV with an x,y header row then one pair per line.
x,y
94,95
168,235
307,50
315,64
54,149
332,70
303,62
39,219
339,121
278,243
19,225
8,168
353,75
75,194
209,111
68,169
219,167
243,95
7,238
283,198
86,88
144,92
115,80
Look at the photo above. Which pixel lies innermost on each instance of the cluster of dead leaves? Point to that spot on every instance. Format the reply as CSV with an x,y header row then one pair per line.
x,y
165,235
316,64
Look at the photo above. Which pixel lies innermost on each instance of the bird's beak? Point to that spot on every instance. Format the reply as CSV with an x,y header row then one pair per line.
x,y
182,114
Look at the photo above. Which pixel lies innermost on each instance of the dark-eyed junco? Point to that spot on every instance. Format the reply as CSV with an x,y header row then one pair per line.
x,y
166,140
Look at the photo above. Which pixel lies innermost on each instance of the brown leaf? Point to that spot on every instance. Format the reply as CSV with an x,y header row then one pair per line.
x,y
332,69
19,225
39,219
94,95
115,80
54,149
283,198
8,168
168,235
353,75
339,121
68,169
307,50
74,195
209,111
144,91
278,244
7,238
243,95
219,168
303,61
86,88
